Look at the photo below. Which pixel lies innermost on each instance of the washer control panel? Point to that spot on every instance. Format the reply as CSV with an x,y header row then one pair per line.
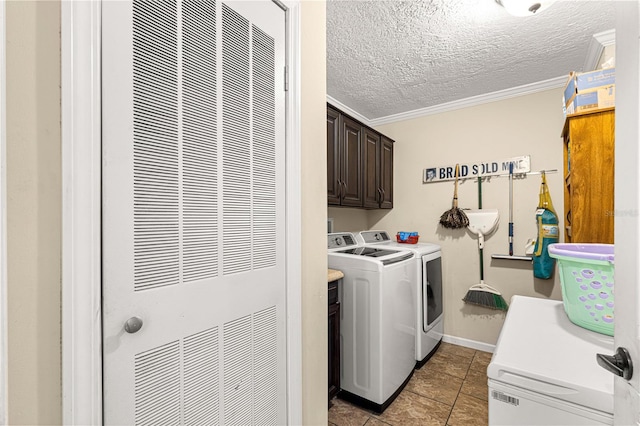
x,y
341,240
375,236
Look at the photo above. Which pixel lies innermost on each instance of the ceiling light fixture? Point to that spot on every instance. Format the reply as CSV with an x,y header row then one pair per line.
x,y
525,7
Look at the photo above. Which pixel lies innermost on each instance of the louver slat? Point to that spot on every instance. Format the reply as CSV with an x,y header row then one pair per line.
x,y
201,394
265,367
264,173
238,403
236,142
155,144
199,141
157,386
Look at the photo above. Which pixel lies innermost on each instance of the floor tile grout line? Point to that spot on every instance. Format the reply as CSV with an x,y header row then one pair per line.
x,y
466,379
431,399
459,390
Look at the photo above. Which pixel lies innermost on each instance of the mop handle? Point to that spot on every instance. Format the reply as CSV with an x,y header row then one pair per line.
x,y
510,209
455,191
480,243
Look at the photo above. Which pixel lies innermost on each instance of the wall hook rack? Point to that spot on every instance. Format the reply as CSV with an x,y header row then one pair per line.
x,y
520,166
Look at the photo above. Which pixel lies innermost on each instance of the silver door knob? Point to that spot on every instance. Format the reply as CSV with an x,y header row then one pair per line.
x,y
133,325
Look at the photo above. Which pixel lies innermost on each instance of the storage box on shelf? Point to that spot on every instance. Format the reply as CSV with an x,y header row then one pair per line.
x,y
586,82
603,97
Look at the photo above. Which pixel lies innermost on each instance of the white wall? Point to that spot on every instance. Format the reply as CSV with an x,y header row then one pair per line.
x,y
526,125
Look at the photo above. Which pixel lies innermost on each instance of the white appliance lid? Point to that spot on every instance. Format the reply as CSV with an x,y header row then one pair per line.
x,y
383,237
369,251
541,350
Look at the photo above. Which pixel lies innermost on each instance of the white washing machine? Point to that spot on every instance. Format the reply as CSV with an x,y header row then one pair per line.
x,y
544,369
376,320
427,290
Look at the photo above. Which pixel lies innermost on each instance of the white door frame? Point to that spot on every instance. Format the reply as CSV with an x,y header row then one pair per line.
x,y
81,228
4,419
626,403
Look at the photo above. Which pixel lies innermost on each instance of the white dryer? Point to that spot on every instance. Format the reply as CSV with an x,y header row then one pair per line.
x,y
376,320
427,290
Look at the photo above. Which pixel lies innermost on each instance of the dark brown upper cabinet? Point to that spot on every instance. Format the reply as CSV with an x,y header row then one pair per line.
x,y
359,164
334,183
351,145
378,171
344,160
386,173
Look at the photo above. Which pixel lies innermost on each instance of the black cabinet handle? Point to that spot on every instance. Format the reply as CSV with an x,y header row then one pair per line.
x,y
619,364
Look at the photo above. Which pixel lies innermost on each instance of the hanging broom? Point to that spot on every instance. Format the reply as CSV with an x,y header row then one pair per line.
x,y
454,218
482,294
485,296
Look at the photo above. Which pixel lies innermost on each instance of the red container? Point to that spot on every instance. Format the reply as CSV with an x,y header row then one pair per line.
x,y
411,239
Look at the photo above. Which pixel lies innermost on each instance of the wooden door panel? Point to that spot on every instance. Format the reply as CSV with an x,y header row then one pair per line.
x,y
334,189
352,164
334,349
592,178
372,192
386,173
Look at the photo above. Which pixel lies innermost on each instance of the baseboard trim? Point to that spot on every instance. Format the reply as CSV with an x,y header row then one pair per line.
x,y
468,343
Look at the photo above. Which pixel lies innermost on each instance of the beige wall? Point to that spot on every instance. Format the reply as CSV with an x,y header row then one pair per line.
x,y
526,125
34,211
346,219
314,214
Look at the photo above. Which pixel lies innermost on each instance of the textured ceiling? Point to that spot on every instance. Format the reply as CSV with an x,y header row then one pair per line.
x,y
392,57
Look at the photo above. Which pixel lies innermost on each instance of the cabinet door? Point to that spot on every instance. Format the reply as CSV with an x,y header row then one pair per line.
x,y
333,158
334,350
592,178
386,173
351,167
372,187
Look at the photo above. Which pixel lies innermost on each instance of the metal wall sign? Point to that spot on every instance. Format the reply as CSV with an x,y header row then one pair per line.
x,y
473,170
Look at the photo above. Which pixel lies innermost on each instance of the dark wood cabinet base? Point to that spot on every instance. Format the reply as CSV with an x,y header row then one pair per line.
x,y
334,340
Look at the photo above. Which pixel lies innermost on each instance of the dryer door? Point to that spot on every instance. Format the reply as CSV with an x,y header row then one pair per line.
x,y
431,289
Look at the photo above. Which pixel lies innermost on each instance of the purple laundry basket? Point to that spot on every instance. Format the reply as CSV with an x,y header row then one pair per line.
x,y
586,276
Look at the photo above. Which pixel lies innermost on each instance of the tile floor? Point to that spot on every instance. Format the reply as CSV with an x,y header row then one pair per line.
x,y
449,390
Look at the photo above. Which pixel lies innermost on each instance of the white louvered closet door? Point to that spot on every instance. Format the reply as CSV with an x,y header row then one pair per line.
x,y
193,212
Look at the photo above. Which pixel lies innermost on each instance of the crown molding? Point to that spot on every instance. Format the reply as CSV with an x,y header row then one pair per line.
x,y
526,89
342,107
596,46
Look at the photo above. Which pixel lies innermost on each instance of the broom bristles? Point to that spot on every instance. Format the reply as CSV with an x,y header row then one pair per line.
x,y
487,299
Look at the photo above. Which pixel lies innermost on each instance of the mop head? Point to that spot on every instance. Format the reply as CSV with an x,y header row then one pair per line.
x,y
454,219
484,295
